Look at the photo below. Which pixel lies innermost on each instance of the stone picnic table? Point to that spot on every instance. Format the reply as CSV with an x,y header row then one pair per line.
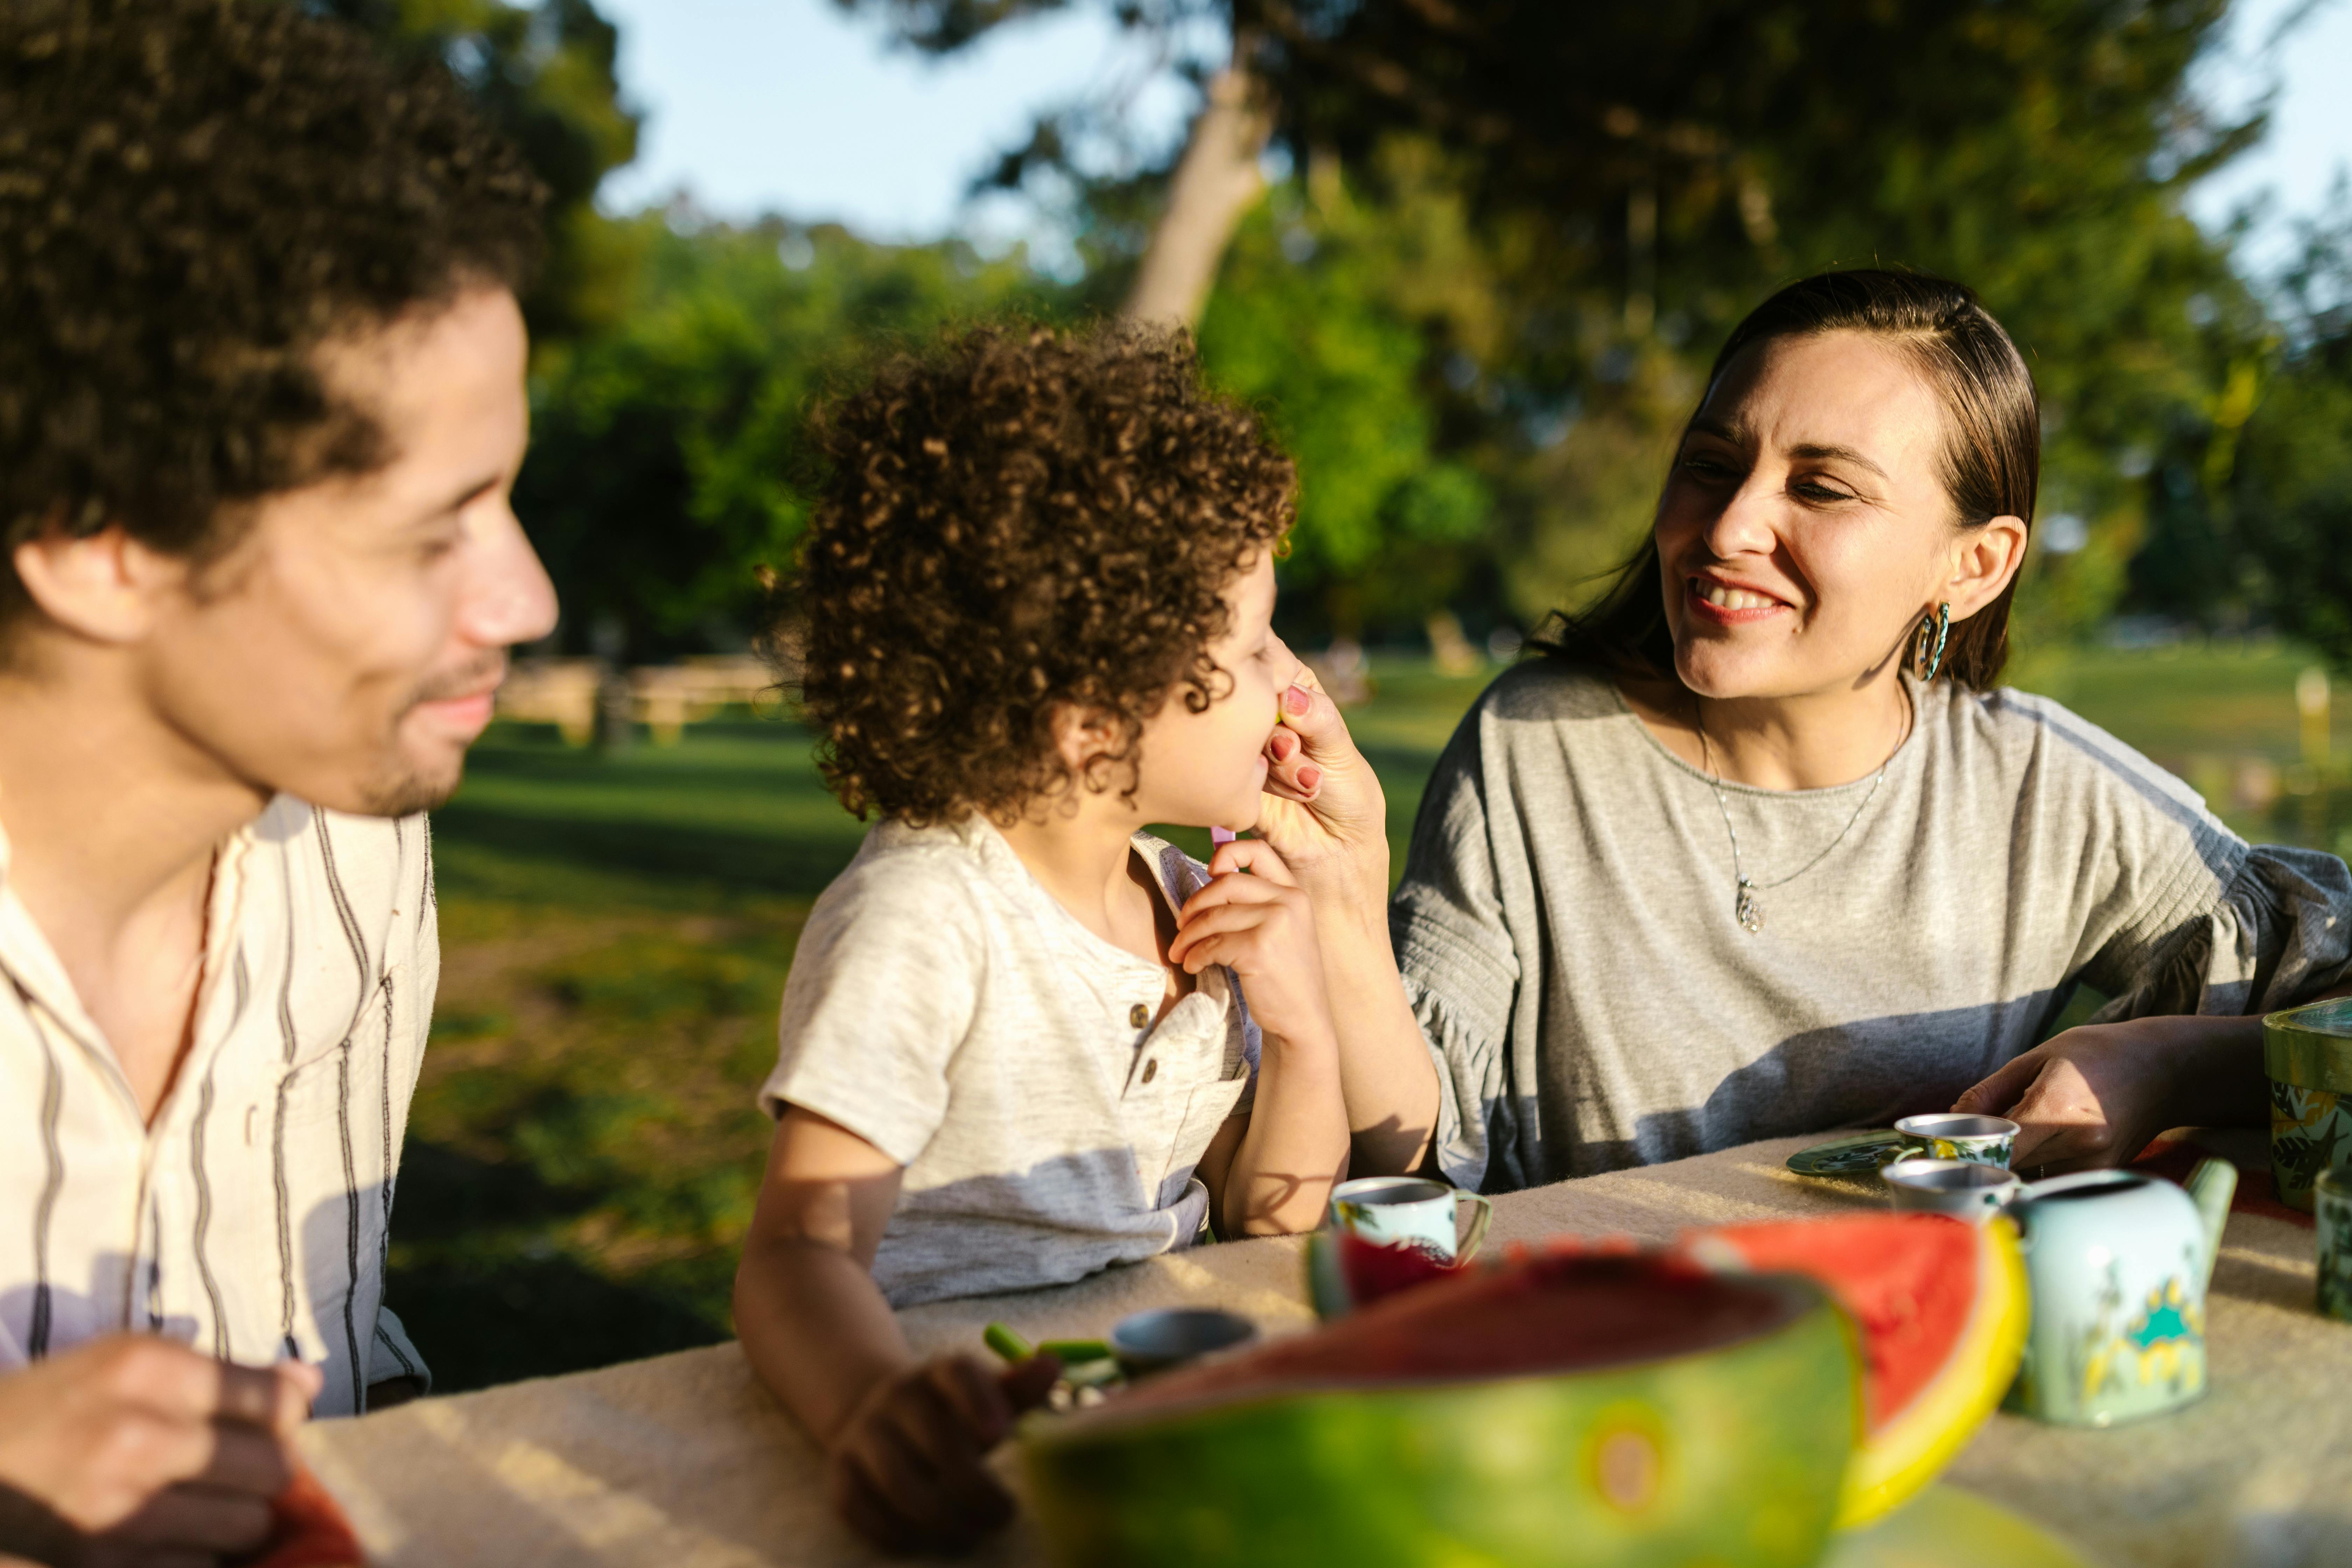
x,y
686,1461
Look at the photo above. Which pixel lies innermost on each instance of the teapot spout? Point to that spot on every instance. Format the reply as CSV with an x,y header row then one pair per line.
x,y
2211,1186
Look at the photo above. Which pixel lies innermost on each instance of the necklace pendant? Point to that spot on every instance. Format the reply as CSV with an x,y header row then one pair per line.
x,y
1747,909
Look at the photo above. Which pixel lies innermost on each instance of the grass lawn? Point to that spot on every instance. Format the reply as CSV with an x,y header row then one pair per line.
x,y
583,1151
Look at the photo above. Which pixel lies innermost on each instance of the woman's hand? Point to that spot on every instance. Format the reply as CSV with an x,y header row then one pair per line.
x,y
1323,812
1256,920
909,1468
2097,1095
1326,817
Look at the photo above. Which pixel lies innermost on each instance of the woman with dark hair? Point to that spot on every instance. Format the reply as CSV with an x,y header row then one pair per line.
x,y
1757,849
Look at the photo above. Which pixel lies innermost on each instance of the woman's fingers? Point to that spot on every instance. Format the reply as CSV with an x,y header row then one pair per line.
x,y
2061,1121
1993,1095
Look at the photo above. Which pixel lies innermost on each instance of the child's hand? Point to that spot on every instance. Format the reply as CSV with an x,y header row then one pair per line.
x,y
909,1468
1262,927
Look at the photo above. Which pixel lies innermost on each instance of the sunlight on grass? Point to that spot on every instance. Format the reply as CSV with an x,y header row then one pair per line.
x,y
583,1151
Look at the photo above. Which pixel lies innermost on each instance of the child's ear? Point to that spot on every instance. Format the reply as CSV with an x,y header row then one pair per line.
x,y
1083,736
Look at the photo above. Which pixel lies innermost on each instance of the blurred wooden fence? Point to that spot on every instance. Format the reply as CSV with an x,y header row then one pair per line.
x,y
664,698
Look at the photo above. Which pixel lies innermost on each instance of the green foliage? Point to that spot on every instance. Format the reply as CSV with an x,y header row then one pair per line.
x,y
2290,473
1637,178
1321,317
1673,161
545,74
667,450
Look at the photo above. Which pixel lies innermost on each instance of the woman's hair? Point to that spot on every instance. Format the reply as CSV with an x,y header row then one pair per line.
x,y
1991,458
1016,521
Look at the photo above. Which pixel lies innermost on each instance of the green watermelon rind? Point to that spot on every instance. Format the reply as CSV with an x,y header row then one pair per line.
x,y
1752,1441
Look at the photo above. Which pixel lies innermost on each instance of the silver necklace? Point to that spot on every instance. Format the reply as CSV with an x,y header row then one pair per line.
x,y
1746,906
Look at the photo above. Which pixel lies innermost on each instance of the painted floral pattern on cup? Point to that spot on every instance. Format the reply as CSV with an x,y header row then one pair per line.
x,y
2311,1131
2332,1208
1979,1139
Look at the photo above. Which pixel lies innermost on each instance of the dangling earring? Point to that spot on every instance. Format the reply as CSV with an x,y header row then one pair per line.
x,y
1938,627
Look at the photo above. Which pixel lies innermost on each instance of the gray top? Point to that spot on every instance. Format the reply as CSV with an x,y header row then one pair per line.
x,y
1566,930
946,1008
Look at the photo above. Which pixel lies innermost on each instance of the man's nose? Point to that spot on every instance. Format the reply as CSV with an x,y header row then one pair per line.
x,y
511,599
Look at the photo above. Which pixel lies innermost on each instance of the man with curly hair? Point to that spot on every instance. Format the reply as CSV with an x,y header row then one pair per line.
x,y
261,406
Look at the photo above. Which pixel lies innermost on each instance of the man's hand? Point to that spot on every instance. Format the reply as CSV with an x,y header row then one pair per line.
x,y
1256,920
160,1455
2096,1095
909,1468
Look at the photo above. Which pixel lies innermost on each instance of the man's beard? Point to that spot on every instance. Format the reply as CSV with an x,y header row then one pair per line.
x,y
407,790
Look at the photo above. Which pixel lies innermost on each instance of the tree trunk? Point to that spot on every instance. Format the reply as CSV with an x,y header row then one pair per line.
x,y
1216,180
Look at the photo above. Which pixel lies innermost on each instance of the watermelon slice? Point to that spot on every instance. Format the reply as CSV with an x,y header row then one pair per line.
x,y
1943,1310
309,1529
1561,1412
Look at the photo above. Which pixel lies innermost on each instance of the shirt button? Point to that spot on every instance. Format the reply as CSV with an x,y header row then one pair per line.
x,y
1138,1015
1152,1070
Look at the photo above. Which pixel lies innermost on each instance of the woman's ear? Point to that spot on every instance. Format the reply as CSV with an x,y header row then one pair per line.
x,y
1983,564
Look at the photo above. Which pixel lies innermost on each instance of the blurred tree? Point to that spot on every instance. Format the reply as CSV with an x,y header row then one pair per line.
x,y
1324,317
1637,176
2286,466
666,451
545,73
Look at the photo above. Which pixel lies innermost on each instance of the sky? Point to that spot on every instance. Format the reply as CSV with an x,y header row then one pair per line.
x,y
790,106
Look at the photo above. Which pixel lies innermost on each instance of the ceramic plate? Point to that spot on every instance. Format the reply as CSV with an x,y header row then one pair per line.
x,y
1945,1527
1855,1154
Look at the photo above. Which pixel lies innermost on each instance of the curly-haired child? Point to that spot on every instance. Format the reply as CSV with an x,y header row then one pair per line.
x,y
1038,587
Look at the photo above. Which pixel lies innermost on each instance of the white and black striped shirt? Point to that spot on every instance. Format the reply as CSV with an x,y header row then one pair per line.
x,y
251,1220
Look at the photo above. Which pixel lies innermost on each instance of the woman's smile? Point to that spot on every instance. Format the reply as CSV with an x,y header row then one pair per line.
x,y
1731,605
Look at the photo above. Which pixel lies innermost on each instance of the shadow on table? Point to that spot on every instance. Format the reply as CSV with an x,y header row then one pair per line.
x,y
484,1310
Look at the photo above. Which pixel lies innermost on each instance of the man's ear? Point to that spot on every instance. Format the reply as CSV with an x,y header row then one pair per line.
x,y
1985,561
104,587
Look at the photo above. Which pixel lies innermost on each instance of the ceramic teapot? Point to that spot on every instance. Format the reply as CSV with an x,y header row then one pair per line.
x,y
2118,1263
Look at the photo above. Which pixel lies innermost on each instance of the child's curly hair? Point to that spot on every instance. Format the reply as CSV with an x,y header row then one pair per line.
x,y
1019,519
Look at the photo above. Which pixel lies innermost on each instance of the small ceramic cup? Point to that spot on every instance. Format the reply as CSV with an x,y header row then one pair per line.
x,y
1962,1188
2331,1192
1153,1342
1951,1135
1411,1211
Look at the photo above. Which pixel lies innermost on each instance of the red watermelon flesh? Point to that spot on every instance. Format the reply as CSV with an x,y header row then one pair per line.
x,y
1374,1270
1943,1310
1552,1314
309,1529
1897,1282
